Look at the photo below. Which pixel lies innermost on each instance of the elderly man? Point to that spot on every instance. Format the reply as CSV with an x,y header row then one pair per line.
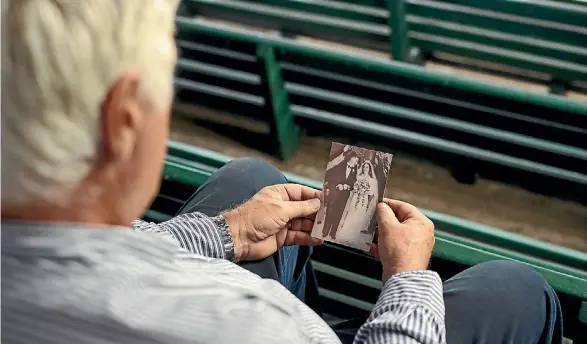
x,y
86,94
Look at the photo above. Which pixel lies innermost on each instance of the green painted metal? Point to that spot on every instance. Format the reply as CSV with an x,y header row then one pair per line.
x,y
433,119
553,11
460,253
347,275
500,16
184,44
174,160
333,9
284,132
543,36
218,91
293,20
185,174
583,312
351,301
193,153
219,71
400,41
317,69
366,3
543,261
504,32
558,86
276,109
565,70
388,67
508,240
440,27
437,143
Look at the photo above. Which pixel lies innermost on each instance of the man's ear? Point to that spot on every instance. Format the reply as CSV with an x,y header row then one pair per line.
x,y
121,117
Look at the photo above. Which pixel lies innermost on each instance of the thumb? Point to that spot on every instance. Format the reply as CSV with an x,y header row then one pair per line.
x,y
295,209
385,217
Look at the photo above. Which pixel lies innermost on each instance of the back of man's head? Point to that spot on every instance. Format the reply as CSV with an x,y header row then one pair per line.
x,y
62,61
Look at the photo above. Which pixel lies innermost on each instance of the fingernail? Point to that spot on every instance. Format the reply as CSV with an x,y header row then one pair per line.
x,y
315,203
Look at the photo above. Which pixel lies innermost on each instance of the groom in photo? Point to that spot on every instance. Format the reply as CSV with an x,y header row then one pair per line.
x,y
341,174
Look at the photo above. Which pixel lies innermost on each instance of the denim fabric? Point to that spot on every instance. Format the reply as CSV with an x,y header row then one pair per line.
x,y
497,302
501,302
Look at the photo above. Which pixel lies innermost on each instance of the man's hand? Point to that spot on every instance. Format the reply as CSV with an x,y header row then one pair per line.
x,y
406,238
276,216
341,187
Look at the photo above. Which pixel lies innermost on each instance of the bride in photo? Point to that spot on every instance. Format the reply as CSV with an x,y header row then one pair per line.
x,y
359,208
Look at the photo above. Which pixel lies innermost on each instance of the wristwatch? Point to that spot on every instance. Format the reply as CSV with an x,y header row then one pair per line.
x,y
227,242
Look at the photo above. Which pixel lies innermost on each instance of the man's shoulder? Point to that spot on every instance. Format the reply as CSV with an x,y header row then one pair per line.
x,y
186,300
201,295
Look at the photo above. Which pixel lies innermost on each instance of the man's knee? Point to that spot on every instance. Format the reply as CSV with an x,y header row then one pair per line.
x,y
518,275
505,298
248,163
498,284
260,172
508,280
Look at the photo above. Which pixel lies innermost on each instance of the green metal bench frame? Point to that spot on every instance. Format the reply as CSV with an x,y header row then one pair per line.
x,y
457,240
549,37
281,113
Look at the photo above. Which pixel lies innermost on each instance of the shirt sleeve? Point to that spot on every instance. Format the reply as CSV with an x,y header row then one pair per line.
x,y
409,310
194,232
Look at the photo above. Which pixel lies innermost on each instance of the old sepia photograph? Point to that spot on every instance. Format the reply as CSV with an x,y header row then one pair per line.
x,y
354,183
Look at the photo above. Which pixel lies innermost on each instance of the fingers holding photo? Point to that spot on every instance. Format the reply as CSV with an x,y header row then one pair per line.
x,y
297,192
301,238
404,211
406,237
302,224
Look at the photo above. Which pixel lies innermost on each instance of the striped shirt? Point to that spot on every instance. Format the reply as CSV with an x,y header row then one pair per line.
x,y
171,283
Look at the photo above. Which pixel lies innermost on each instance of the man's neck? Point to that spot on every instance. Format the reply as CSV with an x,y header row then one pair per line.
x,y
84,210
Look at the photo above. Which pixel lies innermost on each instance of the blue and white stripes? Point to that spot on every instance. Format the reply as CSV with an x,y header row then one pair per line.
x,y
74,284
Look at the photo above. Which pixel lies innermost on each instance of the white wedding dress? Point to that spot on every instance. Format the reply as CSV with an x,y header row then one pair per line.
x,y
358,212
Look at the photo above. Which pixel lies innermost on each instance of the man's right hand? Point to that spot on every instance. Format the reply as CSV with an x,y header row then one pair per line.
x,y
406,238
277,216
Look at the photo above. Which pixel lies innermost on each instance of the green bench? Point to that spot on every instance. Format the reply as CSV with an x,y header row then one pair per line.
x,y
545,37
538,141
349,281
363,23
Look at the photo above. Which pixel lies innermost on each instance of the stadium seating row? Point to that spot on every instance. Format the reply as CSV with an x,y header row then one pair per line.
x,y
536,140
547,36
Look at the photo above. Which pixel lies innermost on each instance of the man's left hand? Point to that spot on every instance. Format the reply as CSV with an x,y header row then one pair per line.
x,y
276,216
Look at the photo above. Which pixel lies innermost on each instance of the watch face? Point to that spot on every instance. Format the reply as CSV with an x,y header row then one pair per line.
x,y
227,242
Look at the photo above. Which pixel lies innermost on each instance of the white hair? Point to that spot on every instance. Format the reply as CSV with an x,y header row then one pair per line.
x,y
59,59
